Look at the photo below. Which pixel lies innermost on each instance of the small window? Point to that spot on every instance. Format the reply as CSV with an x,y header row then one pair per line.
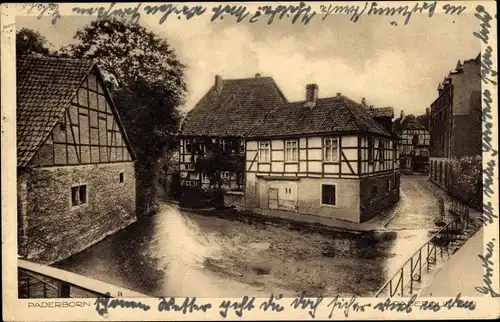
x,y
328,194
122,177
264,152
205,178
188,146
78,195
370,149
380,151
291,151
374,190
190,167
224,175
223,145
330,147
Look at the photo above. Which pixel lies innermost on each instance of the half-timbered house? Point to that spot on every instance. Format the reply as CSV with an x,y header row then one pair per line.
x,y
413,143
76,177
321,156
212,145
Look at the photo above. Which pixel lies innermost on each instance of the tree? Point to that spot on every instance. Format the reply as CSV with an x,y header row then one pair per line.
x,y
29,41
146,80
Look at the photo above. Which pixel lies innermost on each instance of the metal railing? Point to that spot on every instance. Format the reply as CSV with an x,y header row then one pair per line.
x,y
427,255
42,281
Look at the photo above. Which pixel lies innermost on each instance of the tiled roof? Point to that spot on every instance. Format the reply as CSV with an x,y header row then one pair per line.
x,y
329,115
414,125
45,86
381,112
235,109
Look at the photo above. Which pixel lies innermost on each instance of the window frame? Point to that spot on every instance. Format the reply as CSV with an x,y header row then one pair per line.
x,y
222,176
260,149
371,149
325,147
80,204
188,142
321,195
291,149
205,176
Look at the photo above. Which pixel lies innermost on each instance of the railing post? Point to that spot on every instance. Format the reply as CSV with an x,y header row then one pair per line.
x,y
411,275
402,280
420,264
428,257
28,286
63,290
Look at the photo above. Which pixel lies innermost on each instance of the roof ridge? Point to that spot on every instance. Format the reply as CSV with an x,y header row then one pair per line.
x,y
357,116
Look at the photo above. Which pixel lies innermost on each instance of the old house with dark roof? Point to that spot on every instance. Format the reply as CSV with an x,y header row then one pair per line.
x,y
381,115
321,156
218,124
413,145
75,166
455,119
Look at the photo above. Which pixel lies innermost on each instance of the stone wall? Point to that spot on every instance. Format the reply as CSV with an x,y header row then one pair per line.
x,y
467,135
55,229
234,198
377,194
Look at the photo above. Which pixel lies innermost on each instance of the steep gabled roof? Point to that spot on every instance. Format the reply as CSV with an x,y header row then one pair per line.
x,y
45,88
330,115
381,112
233,110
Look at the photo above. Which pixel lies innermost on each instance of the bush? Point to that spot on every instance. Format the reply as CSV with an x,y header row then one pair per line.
x,y
466,180
197,198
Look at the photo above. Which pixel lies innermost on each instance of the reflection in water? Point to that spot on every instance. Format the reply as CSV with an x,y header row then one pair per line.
x,y
177,254
161,256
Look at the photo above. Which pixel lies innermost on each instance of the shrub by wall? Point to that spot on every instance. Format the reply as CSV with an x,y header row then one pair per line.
x,y
193,197
466,181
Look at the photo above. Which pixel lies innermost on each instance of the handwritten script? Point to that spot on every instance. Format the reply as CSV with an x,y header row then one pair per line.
x,y
301,12
277,304
488,265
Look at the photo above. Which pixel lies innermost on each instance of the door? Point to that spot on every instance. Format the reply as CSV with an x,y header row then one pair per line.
x,y
273,198
286,197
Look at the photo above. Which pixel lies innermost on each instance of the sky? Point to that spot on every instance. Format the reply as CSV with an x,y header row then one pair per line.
x,y
390,65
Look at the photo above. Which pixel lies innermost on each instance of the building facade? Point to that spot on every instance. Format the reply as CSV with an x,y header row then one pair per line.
x,y
323,157
413,143
212,139
455,119
76,175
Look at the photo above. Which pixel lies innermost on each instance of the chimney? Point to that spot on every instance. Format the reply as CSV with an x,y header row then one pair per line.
x,y
402,115
257,75
218,83
427,111
371,107
363,101
311,95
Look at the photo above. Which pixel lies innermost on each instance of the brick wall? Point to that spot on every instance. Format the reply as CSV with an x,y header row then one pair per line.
x,y
55,230
377,194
